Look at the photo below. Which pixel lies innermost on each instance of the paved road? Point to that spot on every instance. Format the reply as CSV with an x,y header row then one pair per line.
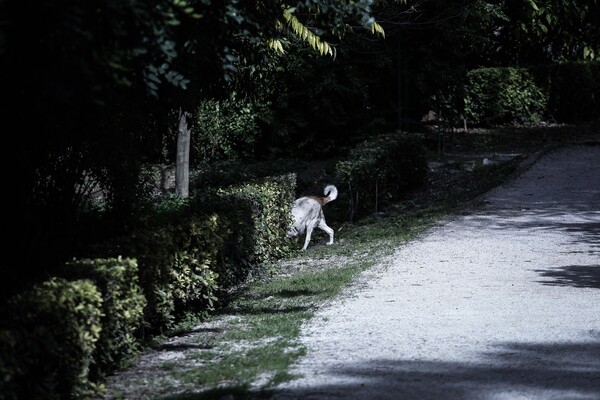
x,y
500,304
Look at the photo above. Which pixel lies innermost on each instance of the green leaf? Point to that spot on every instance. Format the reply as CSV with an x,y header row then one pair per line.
x,y
533,5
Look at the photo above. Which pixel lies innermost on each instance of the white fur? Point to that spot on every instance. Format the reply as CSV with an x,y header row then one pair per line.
x,y
308,214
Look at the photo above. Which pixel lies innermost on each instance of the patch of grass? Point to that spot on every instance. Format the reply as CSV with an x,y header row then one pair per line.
x,y
241,367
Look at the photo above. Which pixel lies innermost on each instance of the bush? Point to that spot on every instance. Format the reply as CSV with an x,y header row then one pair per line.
x,y
177,261
123,308
219,239
48,339
567,92
268,205
381,169
503,95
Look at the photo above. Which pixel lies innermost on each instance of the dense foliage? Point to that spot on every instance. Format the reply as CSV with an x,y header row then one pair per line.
x,y
381,169
122,307
268,204
566,92
573,90
503,95
190,252
228,129
48,335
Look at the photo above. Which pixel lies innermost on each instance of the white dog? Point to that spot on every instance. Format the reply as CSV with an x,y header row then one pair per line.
x,y
308,214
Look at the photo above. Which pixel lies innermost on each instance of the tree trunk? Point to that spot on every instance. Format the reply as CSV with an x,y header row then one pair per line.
x,y
182,164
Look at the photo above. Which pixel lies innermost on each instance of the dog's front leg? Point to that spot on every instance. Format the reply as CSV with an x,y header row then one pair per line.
x,y
309,229
306,240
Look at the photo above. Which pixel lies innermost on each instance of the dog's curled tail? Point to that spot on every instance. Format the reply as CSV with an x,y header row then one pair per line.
x,y
330,193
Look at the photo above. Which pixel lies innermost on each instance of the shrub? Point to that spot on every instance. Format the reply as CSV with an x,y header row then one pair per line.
x,y
177,261
48,340
267,205
123,308
381,169
214,241
190,252
256,216
503,95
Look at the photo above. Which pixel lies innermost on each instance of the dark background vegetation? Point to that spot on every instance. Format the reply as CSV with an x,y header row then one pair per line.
x,y
92,92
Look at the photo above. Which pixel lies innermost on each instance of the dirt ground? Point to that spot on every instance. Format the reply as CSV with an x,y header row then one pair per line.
x,y
502,303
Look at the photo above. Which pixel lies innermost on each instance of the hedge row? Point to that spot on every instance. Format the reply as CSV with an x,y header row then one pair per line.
x,y
568,92
122,308
59,338
211,243
268,205
48,339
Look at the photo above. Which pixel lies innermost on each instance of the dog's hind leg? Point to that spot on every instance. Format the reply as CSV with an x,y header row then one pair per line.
x,y
309,228
322,225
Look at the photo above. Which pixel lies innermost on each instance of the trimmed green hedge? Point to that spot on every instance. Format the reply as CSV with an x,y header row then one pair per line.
x,y
382,168
194,250
566,92
123,308
47,341
269,204
176,259
503,95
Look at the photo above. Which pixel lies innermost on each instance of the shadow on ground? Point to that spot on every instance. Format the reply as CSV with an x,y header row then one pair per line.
x,y
511,371
581,276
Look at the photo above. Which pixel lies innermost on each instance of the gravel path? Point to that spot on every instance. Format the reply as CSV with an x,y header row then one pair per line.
x,y
500,304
